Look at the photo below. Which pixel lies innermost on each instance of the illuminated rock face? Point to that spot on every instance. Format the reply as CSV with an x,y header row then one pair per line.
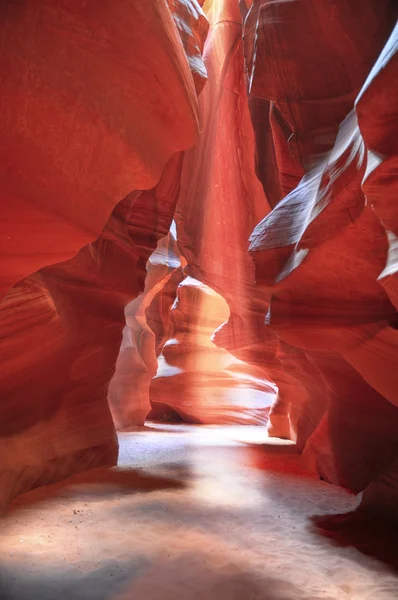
x,y
197,380
221,198
326,255
220,201
85,122
144,337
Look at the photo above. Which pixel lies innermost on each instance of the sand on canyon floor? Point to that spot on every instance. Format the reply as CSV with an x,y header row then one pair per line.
x,y
191,512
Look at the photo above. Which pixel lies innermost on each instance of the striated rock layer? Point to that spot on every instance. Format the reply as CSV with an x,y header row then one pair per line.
x,y
97,104
78,134
292,142
325,255
198,381
220,200
145,335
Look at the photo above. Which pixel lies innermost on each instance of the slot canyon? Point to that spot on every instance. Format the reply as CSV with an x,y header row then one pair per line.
x,y
199,300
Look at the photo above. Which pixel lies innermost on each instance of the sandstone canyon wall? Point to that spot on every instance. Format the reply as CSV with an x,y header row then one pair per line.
x,y
325,255
198,381
98,104
263,119
145,335
220,201
319,314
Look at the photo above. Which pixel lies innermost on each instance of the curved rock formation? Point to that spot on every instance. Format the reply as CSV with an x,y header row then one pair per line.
x,y
86,121
197,380
221,198
321,259
136,365
220,201
78,135
292,142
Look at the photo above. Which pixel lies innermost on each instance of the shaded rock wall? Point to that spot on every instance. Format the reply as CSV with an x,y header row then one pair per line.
x,y
325,255
85,122
77,137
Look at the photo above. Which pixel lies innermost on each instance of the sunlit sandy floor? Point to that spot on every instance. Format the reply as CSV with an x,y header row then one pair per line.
x,y
193,513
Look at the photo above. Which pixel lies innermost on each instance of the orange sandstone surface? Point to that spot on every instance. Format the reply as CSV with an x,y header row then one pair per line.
x,y
199,222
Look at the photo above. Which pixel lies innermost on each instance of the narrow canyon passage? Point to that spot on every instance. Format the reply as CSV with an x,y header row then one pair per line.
x,y
199,300
197,512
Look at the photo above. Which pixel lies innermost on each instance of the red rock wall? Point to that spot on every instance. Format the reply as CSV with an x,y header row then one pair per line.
x,y
95,101
198,381
325,255
318,321
321,319
221,198
220,201
100,148
145,335
78,134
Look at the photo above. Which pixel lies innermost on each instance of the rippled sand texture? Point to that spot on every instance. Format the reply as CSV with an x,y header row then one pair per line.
x,y
208,513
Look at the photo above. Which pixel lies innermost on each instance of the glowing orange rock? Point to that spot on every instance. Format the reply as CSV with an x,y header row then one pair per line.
x,y
76,135
197,380
221,198
137,362
97,103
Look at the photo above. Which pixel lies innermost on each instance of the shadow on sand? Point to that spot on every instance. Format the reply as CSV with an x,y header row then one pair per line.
x,y
189,576
370,535
99,484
